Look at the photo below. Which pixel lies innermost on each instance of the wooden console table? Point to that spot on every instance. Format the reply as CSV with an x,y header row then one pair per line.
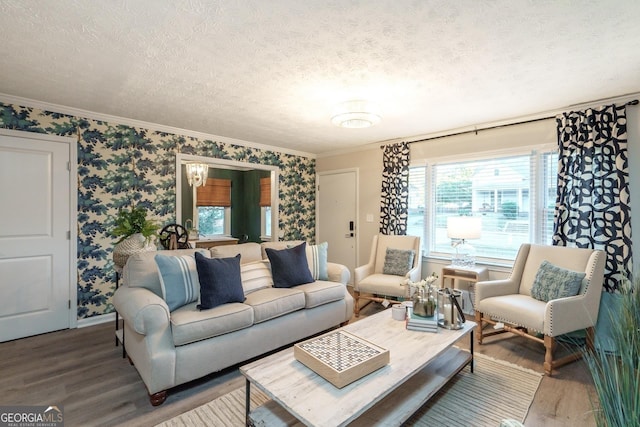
x,y
209,243
468,274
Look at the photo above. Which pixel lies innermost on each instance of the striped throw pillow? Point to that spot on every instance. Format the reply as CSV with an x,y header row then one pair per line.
x,y
178,279
317,260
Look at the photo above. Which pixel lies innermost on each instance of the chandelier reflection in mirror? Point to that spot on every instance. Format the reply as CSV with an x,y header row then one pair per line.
x,y
197,174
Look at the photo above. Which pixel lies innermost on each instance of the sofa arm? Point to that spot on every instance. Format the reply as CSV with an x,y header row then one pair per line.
x,y
338,273
570,314
494,288
143,310
359,273
414,274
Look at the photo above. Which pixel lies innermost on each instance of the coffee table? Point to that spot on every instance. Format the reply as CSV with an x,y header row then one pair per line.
x,y
420,364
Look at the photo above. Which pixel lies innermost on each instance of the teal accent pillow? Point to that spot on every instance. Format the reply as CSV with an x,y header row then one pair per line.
x,y
398,262
552,282
220,281
178,279
289,267
317,260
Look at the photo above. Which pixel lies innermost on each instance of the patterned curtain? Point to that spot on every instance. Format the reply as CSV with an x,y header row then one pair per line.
x,y
395,189
592,204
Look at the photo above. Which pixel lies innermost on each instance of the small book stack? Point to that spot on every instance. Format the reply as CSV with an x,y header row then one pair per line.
x,y
419,323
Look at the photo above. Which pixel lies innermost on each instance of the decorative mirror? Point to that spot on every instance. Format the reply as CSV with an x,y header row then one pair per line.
x,y
234,202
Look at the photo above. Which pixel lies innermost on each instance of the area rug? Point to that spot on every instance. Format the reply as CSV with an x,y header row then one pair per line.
x,y
496,391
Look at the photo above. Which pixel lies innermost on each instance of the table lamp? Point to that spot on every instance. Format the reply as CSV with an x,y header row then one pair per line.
x,y
460,229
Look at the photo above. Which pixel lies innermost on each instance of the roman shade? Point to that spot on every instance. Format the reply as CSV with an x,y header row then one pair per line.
x,y
217,192
265,192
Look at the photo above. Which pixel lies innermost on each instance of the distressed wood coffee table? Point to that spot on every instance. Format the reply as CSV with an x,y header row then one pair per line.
x,y
420,364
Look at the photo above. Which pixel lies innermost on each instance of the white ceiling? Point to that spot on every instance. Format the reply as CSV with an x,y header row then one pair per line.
x,y
271,72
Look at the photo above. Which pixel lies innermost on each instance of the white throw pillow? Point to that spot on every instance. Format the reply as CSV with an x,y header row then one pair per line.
x,y
255,275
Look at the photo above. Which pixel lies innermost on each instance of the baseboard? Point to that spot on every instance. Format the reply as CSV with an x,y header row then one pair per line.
x,y
97,320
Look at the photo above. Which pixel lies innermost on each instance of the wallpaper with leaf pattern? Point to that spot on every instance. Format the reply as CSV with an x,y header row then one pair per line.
x,y
118,164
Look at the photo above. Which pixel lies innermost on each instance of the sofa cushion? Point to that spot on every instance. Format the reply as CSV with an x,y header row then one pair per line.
x,y
178,279
383,284
279,245
317,260
141,270
250,252
529,311
189,324
321,292
398,262
553,282
274,302
316,256
220,281
289,267
255,276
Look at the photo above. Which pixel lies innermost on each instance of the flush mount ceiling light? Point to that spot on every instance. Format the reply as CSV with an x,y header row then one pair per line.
x,y
355,114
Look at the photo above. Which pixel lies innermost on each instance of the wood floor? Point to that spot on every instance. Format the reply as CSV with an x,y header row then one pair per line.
x,y
83,371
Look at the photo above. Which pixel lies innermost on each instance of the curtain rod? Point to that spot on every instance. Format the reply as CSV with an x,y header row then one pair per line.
x,y
632,102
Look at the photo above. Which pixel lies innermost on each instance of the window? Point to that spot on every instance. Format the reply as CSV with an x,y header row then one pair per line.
x,y
265,222
416,219
513,195
213,203
211,220
265,207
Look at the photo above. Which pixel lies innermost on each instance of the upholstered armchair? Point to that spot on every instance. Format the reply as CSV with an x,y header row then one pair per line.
x,y
392,261
552,290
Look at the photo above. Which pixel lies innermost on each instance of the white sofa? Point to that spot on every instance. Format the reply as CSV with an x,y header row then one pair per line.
x,y
172,348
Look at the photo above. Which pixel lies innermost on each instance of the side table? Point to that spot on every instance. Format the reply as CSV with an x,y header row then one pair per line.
x,y
119,332
471,275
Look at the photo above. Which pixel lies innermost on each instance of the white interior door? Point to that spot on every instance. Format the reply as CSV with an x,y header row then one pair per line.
x,y
337,204
35,241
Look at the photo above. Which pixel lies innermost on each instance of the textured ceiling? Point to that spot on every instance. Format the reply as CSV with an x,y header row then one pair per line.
x,y
271,72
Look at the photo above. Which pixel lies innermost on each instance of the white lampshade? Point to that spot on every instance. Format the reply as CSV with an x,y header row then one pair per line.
x,y
464,227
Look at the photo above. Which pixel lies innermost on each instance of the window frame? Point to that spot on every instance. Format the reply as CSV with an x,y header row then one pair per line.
x,y
265,232
227,220
537,206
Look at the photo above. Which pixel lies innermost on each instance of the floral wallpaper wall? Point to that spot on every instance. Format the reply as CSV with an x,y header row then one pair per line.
x,y
118,164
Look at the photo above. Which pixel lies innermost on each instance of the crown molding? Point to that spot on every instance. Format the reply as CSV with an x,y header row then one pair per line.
x,y
72,111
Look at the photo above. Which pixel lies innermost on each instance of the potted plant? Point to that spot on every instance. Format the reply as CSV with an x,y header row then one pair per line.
x,y
616,372
136,234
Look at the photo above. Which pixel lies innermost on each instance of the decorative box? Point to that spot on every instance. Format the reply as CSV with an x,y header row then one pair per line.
x,y
340,357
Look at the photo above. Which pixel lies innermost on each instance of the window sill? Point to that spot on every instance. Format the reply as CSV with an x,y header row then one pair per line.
x,y
497,265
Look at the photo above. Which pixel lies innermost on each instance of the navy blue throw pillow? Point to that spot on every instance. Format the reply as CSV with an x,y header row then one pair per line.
x,y
289,267
220,281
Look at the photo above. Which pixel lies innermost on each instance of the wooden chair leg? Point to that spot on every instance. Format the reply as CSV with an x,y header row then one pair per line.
x,y
356,307
549,344
479,329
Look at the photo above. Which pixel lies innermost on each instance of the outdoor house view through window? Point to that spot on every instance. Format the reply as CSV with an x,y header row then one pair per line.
x,y
211,220
514,197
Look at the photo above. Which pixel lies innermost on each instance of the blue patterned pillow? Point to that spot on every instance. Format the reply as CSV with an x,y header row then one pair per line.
x,y
317,259
553,282
178,279
398,261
